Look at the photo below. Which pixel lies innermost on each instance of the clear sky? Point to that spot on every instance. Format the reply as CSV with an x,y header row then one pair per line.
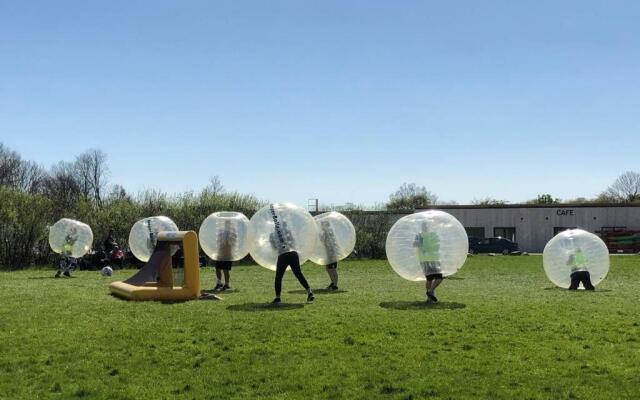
x,y
339,100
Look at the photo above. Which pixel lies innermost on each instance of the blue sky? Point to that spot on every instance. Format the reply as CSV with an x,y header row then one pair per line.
x,y
339,100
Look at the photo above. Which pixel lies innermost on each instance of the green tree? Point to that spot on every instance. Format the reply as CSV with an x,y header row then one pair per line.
x,y
410,196
544,199
488,201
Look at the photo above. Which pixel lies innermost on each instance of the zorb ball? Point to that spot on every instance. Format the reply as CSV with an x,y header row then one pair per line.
x,y
106,271
336,238
144,235
280,228
575,250
70,238
224,236
425,243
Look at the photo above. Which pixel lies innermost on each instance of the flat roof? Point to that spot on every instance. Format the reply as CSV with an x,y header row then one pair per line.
x,y
565,205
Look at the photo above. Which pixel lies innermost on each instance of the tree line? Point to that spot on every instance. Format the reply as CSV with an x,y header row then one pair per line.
x,y
624,190
33,197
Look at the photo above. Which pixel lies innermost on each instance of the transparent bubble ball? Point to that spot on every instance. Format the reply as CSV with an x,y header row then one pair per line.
x,y
573,250
224,236
144,234
70,237
429,241
279,228
336,238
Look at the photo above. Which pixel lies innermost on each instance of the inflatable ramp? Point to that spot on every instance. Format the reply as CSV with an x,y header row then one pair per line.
x,y
154,281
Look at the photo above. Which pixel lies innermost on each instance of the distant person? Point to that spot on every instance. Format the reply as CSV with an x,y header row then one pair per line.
x,y
428,245
227,239
109,243
579,274
67,262
282,241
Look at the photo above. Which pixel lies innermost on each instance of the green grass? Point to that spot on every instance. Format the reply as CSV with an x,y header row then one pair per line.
x,y
500,331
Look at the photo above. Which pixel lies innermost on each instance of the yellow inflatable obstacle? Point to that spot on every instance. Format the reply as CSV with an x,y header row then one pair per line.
x,y
154,281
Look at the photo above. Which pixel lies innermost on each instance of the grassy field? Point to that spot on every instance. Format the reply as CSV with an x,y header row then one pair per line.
x,y
500,331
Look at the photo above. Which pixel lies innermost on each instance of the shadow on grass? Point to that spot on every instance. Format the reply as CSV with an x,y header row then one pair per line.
x,y
253,307
559,289
220,291
318,291
421,305
51,277
204,295
454,278
169,302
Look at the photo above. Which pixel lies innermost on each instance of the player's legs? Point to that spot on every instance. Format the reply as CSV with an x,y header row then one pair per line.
x,y
332,271
575,281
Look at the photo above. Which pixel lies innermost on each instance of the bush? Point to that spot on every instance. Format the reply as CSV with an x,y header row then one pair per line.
x,y
25,218
23,232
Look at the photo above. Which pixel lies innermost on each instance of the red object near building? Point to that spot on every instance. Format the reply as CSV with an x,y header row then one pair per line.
x,y
620,239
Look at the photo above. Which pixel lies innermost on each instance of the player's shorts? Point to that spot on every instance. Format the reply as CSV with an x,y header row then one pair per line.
x,y
431,268
433,277
224,265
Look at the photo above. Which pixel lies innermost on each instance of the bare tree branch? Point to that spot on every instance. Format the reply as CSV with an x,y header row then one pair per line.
x,y
625,189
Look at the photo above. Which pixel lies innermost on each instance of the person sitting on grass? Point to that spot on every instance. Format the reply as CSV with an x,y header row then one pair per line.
x,y
428,245
67,263
227,239
579,274
282,241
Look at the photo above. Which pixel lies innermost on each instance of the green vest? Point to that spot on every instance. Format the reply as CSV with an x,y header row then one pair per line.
x,y
429,249
67,249
578,261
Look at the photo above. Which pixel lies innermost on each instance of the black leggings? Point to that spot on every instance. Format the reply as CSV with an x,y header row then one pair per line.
x,y
292,260
581,276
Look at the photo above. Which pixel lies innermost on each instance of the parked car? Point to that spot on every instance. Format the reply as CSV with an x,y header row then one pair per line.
x,y
492,245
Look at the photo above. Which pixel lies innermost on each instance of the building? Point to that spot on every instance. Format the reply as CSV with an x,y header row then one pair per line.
x,y
533,225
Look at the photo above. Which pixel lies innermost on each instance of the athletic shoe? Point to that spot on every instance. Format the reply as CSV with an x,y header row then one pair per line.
x,y
225,287
67,274
276,301
219,286
310,297
431,296
57,275
332,287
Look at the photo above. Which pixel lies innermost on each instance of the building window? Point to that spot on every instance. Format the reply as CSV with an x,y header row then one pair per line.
x,y
475,231
558,229
505,232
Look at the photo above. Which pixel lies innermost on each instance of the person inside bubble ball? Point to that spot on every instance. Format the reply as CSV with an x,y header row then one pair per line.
x,y
577,261
227,239
428,245
151,239
281,240
328,238
67,263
